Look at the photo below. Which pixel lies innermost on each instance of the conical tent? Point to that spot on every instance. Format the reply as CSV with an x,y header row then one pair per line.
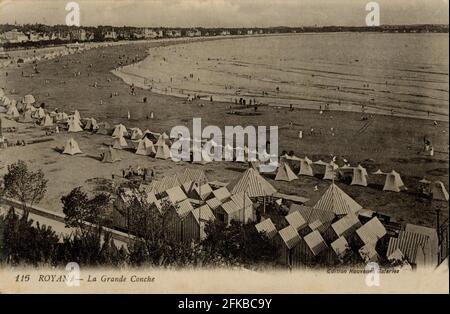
x,y
76,115
162,140
337,201
285,173
6,102
74,126
393,182
145,147
253,184
119,131
306,167
439,192
28,99
359,176
136,134
72,148
163,152
26,117
110,156
13,112
91,125
47,121
120,143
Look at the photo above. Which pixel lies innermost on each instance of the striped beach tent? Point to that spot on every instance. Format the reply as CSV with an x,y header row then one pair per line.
x,y
253,184
337,201
285,173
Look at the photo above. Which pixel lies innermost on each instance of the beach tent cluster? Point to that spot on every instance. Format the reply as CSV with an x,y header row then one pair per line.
x,y
332,171
192,201
337,230
56,52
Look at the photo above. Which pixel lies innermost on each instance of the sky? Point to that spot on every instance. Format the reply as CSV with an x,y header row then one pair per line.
x,y
224,13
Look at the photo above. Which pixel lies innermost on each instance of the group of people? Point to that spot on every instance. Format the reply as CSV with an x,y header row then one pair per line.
x,y
145,173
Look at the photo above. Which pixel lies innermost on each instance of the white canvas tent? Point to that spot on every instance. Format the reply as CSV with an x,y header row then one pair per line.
x,y
72,148
91,125
13,112
74,126
306,167
47,121
110,156
120,143
145,147
136,134
76,115
285,173
119,131
26,117
28,99
394,182
359,176
163,151
162,140
439,192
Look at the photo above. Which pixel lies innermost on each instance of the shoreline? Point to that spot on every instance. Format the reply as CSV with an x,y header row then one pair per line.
x,y
130,77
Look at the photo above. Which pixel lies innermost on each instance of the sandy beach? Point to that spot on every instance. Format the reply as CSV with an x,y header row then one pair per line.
x,y
68,83
378,73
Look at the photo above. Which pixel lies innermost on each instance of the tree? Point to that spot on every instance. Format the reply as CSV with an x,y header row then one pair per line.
x,y
239,243
87,245
26,186
79,209
24,243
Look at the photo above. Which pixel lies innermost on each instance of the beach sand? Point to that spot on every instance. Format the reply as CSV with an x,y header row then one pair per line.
x,y
381,142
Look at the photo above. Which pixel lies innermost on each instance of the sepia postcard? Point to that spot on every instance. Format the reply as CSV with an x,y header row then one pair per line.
x,y
224,146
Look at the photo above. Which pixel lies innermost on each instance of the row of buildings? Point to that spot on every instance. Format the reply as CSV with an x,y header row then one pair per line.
x,y
16,36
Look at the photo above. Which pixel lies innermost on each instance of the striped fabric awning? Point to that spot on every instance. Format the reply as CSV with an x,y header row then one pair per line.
x,y
311,214
337,201
253,184
408,243
176,194
230,207
346,224
296,220
315,242
368,253
340,246
213,203
371,232
222,194
289,236
203,214
267,227
194,175
183,208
